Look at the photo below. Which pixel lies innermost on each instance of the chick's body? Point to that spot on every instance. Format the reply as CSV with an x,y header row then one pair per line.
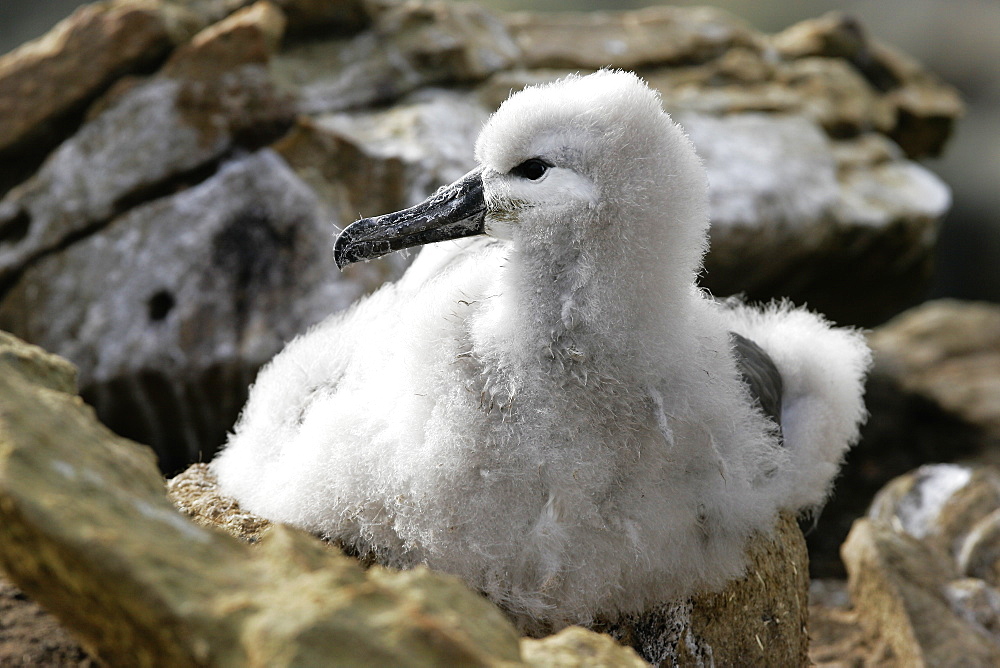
x,y
554,412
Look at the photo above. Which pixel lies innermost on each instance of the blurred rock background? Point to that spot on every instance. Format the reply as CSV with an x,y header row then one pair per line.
x,y
956,39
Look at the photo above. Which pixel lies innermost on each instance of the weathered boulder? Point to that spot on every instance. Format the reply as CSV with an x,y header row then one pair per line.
x,y
918,596
388,159
947,352
979,551
764,615
922,112
576,647
629,40
409,45
796,213
87,530
938,504
898,588
150,137
208,273
46,84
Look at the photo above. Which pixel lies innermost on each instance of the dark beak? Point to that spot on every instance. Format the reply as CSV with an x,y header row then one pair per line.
x,y
453,212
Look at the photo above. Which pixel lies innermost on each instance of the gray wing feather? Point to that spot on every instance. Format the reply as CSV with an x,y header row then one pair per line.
x,y
760,374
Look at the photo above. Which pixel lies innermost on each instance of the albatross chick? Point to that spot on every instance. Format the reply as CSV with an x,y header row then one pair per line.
x,y
546,404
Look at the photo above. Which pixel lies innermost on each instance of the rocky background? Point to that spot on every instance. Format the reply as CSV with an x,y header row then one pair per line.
x,y
172,173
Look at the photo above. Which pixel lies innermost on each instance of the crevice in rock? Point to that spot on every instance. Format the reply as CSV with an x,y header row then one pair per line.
x,y
171,185
14,229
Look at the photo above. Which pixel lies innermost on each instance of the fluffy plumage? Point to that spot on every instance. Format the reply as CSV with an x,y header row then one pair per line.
x,y
553,411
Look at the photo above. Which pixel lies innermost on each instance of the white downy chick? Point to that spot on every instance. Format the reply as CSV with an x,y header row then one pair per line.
x,y
553,411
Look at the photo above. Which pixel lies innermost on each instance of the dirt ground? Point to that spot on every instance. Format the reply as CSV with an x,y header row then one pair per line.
x,y
30,636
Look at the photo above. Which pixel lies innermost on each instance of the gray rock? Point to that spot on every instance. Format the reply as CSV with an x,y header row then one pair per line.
x,y
923,572
408,46
195,493
218,276
922,110
575,647
977,602
305,17
411,132
953,509
923,566
148,139
932,395
45,370
938,504
784,200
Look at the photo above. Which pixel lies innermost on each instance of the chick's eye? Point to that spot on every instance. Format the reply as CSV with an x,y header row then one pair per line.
x,y
531,169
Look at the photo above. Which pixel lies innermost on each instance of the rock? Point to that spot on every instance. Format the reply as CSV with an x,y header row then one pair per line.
x,y
938,504
763,615
46,82
46,370
409,46
248,36
322,17
977,602
924,111
922,567
979,552
306,18
922,572
836,637
575,647
86,529
948,352
195,493
898,588
931,395
409,134
953,509
784,200
628,40
170,358
187,124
